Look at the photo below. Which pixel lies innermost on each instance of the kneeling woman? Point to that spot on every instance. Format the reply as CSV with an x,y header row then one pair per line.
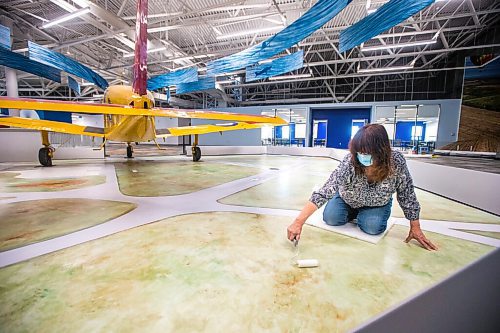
x,y
362,187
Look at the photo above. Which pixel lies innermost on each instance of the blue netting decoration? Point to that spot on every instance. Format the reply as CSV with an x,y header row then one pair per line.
x,y
173,78
5,37
386,17
73,85
322,12
205,83
55,59
17,61
276,67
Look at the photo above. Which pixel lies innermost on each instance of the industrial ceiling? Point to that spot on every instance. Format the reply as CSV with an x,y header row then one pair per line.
x,y
184,33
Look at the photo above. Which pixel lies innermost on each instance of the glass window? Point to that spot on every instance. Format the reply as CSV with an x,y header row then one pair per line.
x,y
285,132
416,132
300,131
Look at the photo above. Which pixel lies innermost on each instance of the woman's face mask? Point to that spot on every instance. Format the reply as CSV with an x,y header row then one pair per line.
x,y
365,159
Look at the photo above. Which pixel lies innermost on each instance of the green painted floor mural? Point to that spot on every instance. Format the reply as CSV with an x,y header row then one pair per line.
x,y
151,178
203,272
11,182
27,222
212,270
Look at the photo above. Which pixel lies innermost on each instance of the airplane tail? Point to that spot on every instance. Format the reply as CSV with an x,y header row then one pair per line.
x,y
141,48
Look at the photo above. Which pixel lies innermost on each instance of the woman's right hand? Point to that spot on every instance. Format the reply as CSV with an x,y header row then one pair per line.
x,y
294,230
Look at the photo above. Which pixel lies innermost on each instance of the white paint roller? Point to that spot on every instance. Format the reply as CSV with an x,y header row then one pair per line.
x,y
307,263
302,263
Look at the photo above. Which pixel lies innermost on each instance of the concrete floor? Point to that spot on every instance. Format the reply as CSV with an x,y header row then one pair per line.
x,y
472,163
180,247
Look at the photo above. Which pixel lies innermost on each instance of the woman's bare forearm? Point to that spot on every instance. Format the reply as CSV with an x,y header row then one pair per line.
x,y
307,211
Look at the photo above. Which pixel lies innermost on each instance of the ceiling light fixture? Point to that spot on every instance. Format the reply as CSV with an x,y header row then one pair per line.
x,y
66,17
153,15
129,55
249,32
384,69
125,41
394,46
285,77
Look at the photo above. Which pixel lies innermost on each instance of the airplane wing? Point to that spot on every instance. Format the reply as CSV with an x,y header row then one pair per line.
x,y
204,129
75,107
51,126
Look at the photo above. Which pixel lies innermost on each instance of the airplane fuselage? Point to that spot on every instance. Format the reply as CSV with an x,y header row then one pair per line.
x,y
123,128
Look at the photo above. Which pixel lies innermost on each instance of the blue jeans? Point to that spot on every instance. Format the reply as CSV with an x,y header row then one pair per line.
x,y
371,220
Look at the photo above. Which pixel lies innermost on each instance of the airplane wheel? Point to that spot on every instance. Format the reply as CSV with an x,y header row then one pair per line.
x,y
196,154
130,152
45,156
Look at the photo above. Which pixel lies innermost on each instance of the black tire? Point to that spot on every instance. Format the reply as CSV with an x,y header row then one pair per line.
x,y
130,152
196,154
44,156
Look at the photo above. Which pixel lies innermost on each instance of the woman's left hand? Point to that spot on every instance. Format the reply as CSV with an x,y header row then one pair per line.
x,y
417,234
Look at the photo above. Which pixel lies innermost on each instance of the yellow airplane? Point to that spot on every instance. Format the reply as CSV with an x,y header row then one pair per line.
x,y
129,112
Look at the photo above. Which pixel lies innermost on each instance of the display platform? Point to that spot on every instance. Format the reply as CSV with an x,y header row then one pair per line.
x,y
198,246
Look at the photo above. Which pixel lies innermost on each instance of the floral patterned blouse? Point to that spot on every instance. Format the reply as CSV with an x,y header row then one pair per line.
x,y
357,192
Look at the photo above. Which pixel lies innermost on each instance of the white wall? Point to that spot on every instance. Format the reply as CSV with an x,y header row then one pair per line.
x,y
390,130
231,138
474,188
88,120
22,145
162,123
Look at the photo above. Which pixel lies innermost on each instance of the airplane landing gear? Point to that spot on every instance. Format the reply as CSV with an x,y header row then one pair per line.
x,y
130,150
196,151
45,153
45,156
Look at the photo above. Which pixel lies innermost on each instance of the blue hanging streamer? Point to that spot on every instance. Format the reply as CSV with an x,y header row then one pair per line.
x,y
202,84
17,61
322,12
55,59
173,78
386,17
75,86
277,66
5,37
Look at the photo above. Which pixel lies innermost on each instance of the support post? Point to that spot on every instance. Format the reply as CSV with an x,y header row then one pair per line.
x,y
45,138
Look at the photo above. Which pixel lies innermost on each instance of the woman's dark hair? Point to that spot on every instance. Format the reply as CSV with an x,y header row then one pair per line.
x,y
372,139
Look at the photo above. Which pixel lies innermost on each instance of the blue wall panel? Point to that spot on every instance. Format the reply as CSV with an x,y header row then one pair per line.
x,y
386,17
321,131
17,61
339,124
278,132
55,59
